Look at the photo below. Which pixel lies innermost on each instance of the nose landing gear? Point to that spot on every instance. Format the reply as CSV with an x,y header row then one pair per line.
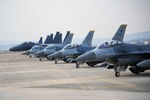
x,y
56,61
117,74
40,59
117,71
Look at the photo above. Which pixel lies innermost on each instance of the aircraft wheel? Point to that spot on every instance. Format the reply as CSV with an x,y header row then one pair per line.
x,y
77,65
30,56
55,61
117,74
40,59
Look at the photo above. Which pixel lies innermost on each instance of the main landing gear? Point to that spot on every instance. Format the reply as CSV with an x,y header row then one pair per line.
x,y
117,70
56,61
30,56
77,64
40,59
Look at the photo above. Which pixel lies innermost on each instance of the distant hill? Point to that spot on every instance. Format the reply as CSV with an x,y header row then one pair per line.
x,y
137,36
141,36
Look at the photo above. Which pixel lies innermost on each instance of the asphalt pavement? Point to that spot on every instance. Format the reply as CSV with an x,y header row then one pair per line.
x,y
24,78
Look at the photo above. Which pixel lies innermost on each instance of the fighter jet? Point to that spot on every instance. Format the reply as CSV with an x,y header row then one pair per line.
x,y
71,51
119,35
40,47
25,46
120,55
54,47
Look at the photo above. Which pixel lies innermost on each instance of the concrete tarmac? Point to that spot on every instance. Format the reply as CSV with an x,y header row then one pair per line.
x,y
24,78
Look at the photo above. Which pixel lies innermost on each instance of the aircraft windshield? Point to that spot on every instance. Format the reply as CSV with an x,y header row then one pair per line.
x,y
70,46
50,47
36,47
108,44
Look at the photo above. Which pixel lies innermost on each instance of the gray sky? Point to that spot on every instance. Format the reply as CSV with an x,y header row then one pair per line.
x,y
22,20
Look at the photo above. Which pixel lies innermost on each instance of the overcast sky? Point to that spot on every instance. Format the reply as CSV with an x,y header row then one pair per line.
x,y
23,20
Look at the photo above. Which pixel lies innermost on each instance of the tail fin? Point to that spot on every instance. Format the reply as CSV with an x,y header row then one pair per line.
x,y
88,39
68,32
50,39
68,39
46,40
41,40
119,35
58,38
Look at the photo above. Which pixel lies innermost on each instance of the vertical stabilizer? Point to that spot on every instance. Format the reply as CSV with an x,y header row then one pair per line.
x,y
119,35
41,40
88,39
50,39
58,38
46,40
68,32
68,39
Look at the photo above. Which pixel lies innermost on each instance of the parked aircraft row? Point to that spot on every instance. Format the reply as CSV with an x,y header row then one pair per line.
x,y
114,54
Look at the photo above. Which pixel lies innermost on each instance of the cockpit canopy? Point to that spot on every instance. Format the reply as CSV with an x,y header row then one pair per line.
x,y
36,47
51,46
70,46
108,44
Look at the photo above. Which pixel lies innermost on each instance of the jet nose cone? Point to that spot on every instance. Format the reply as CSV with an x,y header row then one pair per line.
x,y
89,56
13,48
10,49
39,53
55,55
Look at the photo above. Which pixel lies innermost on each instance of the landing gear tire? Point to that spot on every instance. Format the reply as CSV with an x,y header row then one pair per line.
x,y
30,56
55,61
117,74
117,71
40,59
77,65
